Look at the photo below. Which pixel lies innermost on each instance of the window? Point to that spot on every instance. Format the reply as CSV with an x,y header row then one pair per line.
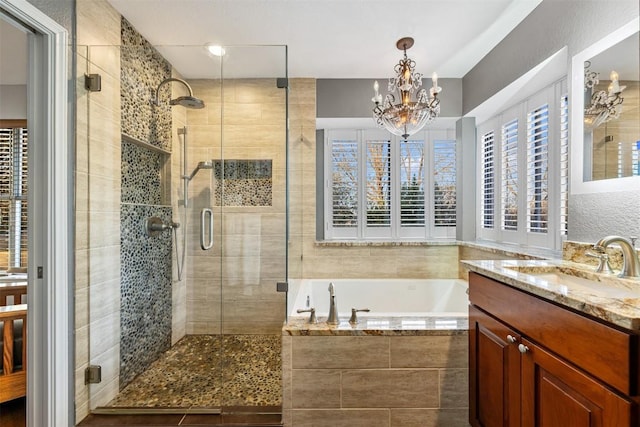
x,y
380,187
564,163
529,195
488,184
537,169
13,197
510,176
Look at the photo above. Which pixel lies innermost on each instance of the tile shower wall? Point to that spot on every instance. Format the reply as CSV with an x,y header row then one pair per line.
x,y
146,263
97,211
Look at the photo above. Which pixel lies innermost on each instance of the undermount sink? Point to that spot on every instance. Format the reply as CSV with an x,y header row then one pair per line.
x,y
581,280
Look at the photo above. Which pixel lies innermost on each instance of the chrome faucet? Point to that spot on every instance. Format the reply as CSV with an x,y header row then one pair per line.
x,y
631,263
333,307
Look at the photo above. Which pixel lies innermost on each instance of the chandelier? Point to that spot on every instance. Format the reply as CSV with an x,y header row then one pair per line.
x,y
602,106
403,116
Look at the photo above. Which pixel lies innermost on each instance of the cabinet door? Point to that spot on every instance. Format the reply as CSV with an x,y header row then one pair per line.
x,y
494,372
555,394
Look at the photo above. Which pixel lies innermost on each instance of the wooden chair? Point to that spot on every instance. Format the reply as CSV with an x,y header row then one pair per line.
x,y
13,341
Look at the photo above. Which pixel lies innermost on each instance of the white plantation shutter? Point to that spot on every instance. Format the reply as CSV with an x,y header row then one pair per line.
x,y
344,184
412,202
488,202
13,197
538,169
380,187
635,159
444,191
378,183
564,164
509,193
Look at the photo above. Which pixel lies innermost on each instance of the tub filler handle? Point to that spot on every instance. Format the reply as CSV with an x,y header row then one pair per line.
x,y
206,229
354,318
312,318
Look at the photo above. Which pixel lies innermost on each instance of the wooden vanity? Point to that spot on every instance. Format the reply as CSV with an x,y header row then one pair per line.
x,y
536,362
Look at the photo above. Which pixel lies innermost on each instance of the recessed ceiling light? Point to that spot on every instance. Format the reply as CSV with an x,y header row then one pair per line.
x,y
216,50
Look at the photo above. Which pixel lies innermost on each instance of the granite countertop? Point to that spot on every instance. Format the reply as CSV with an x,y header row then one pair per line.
x,y
612,299
378,326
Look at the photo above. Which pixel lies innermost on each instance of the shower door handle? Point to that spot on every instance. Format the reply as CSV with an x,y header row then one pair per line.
x,y
206,229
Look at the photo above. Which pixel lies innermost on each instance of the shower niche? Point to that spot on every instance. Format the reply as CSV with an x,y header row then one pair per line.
x,y
243,182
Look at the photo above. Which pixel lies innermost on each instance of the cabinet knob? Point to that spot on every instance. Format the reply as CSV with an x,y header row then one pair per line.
x,y
511,339
523,348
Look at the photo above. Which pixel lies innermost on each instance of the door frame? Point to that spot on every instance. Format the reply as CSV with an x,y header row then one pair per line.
x,y
49,289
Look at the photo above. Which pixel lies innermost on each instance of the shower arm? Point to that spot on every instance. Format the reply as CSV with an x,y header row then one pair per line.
x,y
156,99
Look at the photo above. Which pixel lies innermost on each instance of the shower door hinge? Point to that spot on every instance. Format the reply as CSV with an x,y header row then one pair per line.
x,y
93,82
282,287
282,83
93,374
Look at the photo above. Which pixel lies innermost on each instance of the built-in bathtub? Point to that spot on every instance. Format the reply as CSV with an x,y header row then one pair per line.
x,y
404,363
383,297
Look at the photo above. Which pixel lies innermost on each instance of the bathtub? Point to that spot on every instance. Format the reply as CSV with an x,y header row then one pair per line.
x,y
413,343
395,298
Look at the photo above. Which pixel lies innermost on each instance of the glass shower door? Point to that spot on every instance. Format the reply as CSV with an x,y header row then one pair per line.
x,y
251,188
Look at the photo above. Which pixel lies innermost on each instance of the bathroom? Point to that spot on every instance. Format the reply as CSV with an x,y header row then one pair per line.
x,y
231,288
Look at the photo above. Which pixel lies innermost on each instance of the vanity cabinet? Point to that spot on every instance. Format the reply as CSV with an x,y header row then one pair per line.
x,y
535,363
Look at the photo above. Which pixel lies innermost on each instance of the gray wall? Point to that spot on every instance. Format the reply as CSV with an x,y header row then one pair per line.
x,y
551,26
61,11
338,98
554,24
14,101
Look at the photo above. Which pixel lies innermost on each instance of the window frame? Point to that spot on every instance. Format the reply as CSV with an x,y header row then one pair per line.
x,y
395,231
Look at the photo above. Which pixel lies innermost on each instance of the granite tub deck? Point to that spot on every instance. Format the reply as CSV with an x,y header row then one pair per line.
x,y
382,372
210,371
606,297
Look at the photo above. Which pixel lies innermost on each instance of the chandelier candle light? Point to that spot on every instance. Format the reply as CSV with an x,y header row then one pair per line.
x,y
406,117
602,106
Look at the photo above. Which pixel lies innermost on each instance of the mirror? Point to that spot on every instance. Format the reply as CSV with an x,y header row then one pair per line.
x,y
605,128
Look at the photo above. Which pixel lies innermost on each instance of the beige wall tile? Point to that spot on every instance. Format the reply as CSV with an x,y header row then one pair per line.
x,y
340,418
81,308
104,264
98,23
104,335
402,388
454,388
340,352
429,418
315,388
104,299
429,351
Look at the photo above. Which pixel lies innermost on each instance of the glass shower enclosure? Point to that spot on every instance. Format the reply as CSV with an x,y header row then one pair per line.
x,y
198,199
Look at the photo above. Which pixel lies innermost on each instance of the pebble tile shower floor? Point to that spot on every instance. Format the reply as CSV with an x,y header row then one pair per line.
x,y
209,371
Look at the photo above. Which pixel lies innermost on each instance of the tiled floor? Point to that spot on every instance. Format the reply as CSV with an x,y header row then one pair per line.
x,y
232,416
210,371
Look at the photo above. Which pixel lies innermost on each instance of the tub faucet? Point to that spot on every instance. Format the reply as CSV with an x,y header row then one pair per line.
x,y
333,307
631,263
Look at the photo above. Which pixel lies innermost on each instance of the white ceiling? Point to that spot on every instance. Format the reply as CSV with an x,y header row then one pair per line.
x,y
326,38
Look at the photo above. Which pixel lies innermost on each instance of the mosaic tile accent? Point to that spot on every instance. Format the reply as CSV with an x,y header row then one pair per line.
x,y
245,183
142,175
142,70
145,290
207,371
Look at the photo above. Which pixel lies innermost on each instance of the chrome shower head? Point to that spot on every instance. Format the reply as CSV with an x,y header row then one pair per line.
x,y
201,165
186,101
